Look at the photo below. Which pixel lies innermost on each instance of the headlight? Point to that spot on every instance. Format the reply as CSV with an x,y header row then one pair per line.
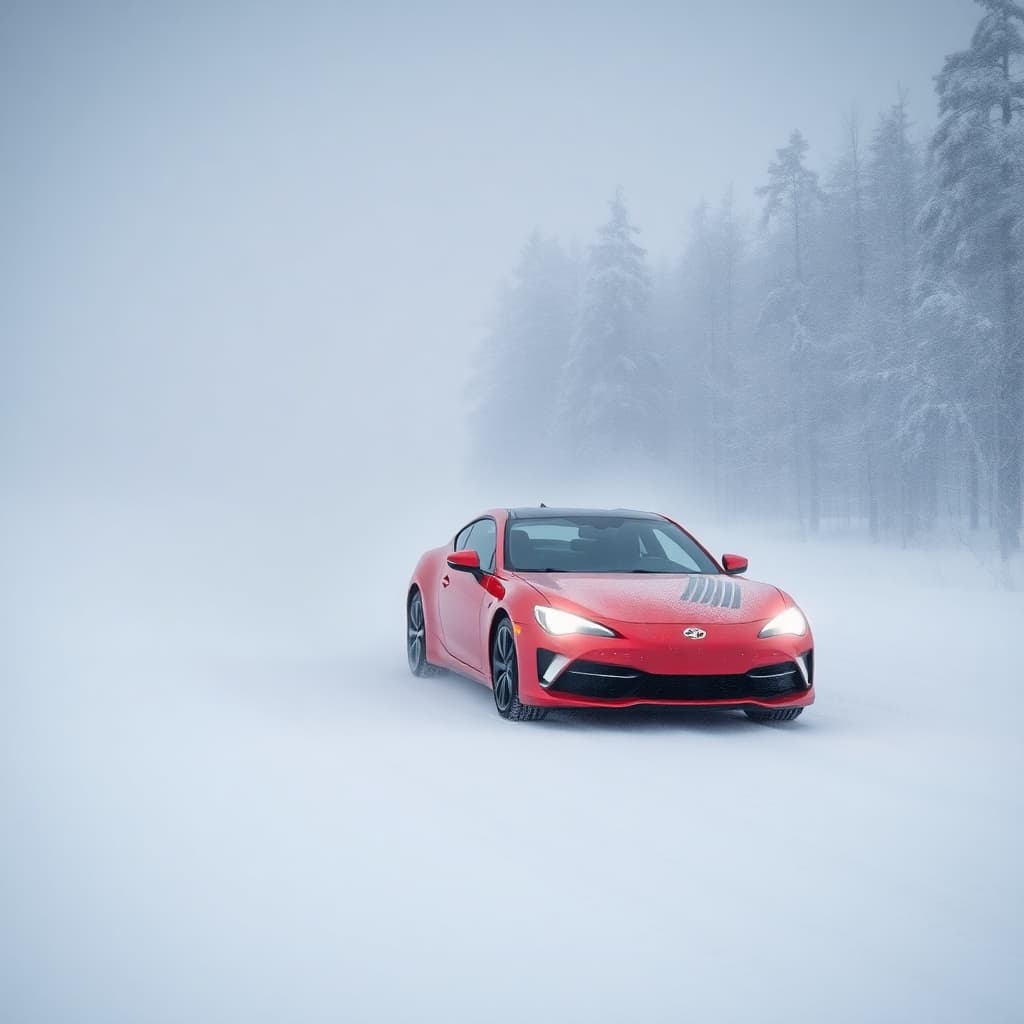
x,y
559,623
791,622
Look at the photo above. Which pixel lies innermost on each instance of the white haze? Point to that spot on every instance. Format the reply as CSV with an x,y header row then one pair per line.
x,y
248,253
238,238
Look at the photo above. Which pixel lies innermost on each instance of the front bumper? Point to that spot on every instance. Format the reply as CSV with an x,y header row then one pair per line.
x,y
656,664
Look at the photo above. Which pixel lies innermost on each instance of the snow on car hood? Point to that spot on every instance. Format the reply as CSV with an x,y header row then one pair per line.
x,y
660,598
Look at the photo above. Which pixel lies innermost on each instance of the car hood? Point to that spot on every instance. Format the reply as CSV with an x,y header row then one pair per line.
x,y
660,598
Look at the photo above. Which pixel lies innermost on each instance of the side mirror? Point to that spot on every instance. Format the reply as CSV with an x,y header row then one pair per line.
x,y
464,561
734,564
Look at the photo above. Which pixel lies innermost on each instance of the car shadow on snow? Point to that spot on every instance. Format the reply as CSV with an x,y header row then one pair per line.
x,y
646,718
463,696
371,689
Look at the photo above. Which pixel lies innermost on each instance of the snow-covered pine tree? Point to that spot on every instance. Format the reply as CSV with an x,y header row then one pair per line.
x,y
790,195
903,476
894,187
702,354
515,386
612,392
839,281
974,221
945,412
791,191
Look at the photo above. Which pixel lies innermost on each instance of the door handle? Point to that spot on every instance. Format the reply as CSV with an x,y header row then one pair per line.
x,y
445,581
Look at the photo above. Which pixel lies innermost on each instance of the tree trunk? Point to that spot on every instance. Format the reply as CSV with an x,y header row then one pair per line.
x,y
872,488
973,488
813,483
1011,422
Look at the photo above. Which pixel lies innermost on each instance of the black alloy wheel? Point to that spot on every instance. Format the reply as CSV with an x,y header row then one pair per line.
x,y
505,677
416,638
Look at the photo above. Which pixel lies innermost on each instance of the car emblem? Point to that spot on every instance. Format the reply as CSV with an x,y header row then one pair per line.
x,y
694,634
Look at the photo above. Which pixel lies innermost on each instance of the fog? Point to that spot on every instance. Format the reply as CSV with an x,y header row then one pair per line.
x,y
265,272
236,238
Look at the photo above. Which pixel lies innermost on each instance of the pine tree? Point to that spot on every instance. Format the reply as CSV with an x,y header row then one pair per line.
x,y
889,364
791,194
791,190
945,410
519,362
975,220
894,188
703,354
611,383
850,465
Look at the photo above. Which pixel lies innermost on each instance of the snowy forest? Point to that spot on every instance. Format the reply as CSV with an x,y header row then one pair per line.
x,y
846,344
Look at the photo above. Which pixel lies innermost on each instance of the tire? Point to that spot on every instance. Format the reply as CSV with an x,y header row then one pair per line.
x,y
762,715
505,677
416,637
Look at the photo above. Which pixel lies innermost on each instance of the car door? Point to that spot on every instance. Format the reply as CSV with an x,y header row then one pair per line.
x,y
461,596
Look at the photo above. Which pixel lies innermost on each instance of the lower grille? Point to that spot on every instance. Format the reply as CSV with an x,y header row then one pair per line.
x,y
614,682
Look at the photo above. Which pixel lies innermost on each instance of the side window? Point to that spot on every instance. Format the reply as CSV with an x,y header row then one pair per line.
x,y
674,551
463,536
484,541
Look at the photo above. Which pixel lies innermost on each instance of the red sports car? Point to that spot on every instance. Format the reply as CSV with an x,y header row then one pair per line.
x,y
589,608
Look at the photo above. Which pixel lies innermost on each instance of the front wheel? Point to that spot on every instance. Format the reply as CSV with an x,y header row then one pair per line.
x,y
505,677
778,715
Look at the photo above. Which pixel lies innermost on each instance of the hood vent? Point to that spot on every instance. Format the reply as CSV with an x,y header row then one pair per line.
x,y
712,591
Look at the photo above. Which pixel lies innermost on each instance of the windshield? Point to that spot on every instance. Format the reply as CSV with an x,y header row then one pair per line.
x,y
602,544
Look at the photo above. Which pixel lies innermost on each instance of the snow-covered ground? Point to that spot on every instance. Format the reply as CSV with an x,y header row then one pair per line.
x,y
224,798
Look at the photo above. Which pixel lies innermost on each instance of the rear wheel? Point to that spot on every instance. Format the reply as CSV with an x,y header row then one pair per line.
x,y
505,677
416,637
778,715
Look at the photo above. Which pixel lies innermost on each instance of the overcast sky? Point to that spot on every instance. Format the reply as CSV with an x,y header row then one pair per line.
x,y
260,240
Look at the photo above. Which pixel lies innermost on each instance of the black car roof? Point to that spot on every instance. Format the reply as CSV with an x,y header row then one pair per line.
x,y
558,513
